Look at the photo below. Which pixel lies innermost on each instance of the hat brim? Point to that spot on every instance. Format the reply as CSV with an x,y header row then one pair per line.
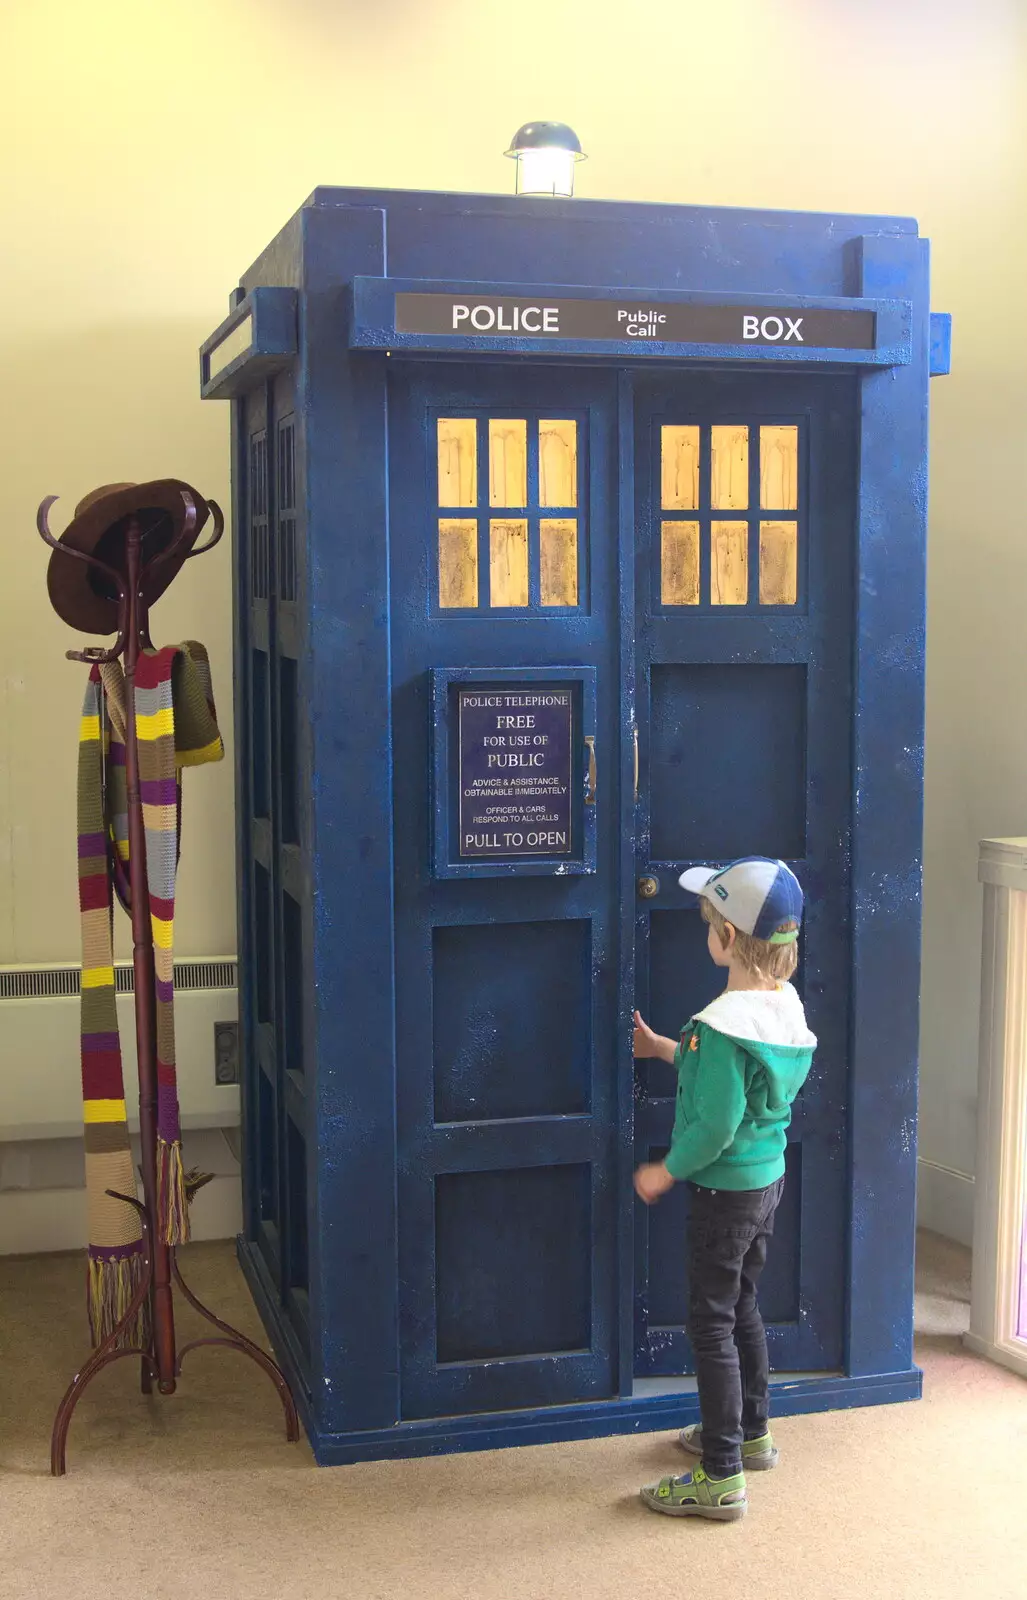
x,y
695,880
74,592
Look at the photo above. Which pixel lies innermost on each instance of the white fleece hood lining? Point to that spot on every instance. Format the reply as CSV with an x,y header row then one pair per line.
x,y
760,1016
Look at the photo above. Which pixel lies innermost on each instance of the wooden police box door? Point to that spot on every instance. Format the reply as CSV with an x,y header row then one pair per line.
x,y
686,543
745,497
504,561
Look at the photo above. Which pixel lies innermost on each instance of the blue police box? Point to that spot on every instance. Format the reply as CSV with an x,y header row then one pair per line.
x,y
574,543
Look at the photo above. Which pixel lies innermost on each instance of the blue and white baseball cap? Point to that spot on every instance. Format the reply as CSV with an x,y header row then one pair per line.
x,y
758,896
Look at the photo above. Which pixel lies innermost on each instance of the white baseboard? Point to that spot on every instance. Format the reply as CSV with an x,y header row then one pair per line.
x,y
945,1201
38,1221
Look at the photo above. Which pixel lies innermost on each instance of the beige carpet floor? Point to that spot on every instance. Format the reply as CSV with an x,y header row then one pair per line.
x,y
198,1495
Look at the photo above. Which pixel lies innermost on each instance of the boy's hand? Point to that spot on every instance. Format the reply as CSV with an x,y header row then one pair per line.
x,y
652,1046
652,1181
647,1043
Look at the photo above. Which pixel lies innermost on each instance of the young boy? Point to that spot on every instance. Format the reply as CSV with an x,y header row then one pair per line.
x,y
740,1064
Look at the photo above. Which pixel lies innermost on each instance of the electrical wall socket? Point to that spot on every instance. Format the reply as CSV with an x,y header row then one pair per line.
x,y
226,1053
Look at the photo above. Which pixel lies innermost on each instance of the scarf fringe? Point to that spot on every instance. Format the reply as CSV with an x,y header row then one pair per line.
x,y
172,1197
112,1283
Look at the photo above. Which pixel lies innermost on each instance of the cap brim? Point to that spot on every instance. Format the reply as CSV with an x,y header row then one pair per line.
x,y
695,879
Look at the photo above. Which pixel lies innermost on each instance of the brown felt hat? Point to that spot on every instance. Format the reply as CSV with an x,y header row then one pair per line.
x,y
86,598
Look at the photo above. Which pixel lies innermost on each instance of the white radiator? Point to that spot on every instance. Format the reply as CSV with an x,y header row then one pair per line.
x,y
998,1312
40,1082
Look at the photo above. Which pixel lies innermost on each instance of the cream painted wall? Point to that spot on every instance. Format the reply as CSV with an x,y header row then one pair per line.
x,y
151,150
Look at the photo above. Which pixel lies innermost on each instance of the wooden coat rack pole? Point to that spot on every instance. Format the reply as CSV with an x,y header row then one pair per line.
x,y
160,1361
162,1310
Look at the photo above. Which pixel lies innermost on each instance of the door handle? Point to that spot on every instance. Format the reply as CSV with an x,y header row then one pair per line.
x,y
635,732
590,792
648,888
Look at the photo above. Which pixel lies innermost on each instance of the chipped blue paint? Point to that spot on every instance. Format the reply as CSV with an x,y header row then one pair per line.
x,y
350,1163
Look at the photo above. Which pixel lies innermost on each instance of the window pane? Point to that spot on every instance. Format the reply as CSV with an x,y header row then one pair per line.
x,y
679,468
679,564
508,556
508,462
260,724
729,563
779,563
262,950
779,469
558,544
558,464
458,461
288,748
458,562
729,468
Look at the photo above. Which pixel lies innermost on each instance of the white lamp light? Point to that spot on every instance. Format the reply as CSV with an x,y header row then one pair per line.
x,y
546,154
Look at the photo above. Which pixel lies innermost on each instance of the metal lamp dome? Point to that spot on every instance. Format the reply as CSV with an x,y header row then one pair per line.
x,y
546,154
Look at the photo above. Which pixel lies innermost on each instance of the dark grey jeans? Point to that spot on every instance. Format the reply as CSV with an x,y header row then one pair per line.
x,y
728,1237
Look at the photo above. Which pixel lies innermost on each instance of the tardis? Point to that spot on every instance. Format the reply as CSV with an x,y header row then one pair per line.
x,y
575,543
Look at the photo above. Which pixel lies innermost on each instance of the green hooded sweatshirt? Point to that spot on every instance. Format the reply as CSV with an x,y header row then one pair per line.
x,y
740,1064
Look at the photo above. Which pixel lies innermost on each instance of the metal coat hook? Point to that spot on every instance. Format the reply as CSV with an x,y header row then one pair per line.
x,y
219,528
184,532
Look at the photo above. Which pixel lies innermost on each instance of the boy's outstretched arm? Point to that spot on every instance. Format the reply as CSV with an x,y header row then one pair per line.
x,y
719,1109
652,1179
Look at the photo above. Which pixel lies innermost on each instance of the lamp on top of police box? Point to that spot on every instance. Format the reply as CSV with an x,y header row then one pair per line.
x,y
546,154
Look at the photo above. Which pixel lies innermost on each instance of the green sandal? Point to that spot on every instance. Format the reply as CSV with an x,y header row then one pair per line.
x,y
758,1455
696,1495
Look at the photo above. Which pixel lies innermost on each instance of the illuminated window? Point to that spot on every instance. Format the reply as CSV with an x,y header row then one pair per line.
x,y
706,557
514,553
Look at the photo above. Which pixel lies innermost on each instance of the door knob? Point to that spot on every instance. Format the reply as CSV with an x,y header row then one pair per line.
x,y
648,888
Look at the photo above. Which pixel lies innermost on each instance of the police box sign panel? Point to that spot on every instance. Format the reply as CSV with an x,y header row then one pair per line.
x,y
616,321
515,771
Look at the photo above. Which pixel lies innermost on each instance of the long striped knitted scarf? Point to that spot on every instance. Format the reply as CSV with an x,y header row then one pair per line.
x,y
176,728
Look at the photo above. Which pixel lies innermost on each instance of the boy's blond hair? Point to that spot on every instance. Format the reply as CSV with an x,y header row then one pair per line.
x,y
764,960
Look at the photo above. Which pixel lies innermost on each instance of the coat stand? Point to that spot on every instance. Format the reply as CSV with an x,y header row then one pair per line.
x,y
161,1361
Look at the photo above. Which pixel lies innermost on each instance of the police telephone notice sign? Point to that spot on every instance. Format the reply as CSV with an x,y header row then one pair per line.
x,y
616,321
515,771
